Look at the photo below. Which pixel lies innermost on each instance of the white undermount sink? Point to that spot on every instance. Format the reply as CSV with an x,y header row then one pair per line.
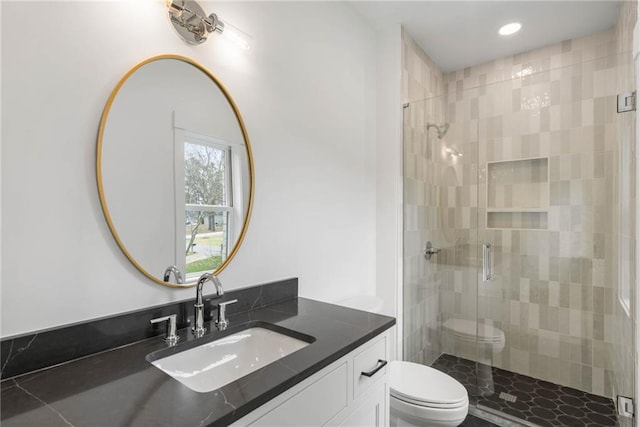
x,y
214,364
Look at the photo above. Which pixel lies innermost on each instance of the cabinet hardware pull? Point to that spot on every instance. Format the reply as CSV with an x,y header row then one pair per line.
x,y
381,364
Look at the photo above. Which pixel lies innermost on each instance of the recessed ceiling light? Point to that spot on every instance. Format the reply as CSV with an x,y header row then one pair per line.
x,y
514,27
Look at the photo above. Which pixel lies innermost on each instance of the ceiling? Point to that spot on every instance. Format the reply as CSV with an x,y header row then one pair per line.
x,y
458,34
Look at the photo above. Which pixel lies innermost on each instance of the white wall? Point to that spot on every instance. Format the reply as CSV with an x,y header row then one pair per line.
x,y
389,170
307,92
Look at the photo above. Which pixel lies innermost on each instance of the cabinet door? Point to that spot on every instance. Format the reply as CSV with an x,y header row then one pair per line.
x,y
338,395
372,409
313,406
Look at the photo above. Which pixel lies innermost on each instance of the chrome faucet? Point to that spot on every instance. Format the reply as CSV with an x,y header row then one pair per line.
x,y
173,269
198,328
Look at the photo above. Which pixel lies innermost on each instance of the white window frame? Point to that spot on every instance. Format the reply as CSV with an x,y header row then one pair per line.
x,y
232,193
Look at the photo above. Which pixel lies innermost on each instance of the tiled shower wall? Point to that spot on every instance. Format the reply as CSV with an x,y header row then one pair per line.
x,y
555,290
550,293
554,287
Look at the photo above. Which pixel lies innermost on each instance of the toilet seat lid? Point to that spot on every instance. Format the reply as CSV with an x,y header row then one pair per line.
x,y
473,331
417,383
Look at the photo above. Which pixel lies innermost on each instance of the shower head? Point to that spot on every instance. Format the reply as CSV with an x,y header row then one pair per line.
x,y
442,129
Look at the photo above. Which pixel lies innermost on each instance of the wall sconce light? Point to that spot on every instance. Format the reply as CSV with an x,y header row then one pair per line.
x,y
194,26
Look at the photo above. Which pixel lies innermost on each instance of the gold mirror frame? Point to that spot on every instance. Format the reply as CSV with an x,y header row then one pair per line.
x,y
103,202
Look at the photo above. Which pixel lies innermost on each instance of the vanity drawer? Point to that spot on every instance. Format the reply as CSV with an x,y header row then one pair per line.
x,y
371,360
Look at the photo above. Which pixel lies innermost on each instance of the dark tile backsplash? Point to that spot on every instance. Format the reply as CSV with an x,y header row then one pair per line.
x,y
30,352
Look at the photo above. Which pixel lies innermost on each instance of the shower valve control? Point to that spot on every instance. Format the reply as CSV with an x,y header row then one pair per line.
x,y
429,250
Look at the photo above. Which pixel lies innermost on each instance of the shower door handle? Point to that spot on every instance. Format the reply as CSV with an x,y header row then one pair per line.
x,y
486,262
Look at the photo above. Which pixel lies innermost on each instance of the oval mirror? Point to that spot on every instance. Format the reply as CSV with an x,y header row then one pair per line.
x,y
174,170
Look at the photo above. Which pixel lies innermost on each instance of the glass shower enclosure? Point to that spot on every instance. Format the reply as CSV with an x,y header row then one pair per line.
x,y
519,219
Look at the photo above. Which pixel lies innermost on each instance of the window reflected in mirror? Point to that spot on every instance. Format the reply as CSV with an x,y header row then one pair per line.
x,y
208,195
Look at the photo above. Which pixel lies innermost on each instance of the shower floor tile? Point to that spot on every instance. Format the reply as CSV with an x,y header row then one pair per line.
x,y
526,398
472,421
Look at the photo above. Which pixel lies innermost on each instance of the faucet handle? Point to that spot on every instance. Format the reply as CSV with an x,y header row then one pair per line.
x,y
222,321
170,336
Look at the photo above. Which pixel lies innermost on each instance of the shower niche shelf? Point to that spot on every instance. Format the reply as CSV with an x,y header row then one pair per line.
x,y
518,194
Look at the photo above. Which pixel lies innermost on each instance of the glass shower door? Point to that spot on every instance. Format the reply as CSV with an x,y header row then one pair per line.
x,y
553,339
440,235
439,213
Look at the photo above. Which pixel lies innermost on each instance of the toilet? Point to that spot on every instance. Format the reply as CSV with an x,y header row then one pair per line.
x,y
419,395
423,396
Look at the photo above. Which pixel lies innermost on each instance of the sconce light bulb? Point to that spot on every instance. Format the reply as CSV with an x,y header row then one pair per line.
x,y
193,25
176,7
235,35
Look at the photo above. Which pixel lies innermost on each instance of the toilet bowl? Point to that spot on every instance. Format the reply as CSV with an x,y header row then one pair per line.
x,y
476,341
419,395
423,396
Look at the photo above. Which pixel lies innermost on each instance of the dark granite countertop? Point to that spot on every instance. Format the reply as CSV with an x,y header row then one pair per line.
x,y
120,388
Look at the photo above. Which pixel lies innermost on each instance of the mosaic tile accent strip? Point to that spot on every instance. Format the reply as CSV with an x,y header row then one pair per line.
x,y
538,402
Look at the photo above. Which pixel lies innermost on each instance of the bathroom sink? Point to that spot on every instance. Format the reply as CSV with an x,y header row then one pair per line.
x,y
211,362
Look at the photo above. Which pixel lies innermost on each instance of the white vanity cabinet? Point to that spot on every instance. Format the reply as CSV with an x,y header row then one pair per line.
x,y
338,395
